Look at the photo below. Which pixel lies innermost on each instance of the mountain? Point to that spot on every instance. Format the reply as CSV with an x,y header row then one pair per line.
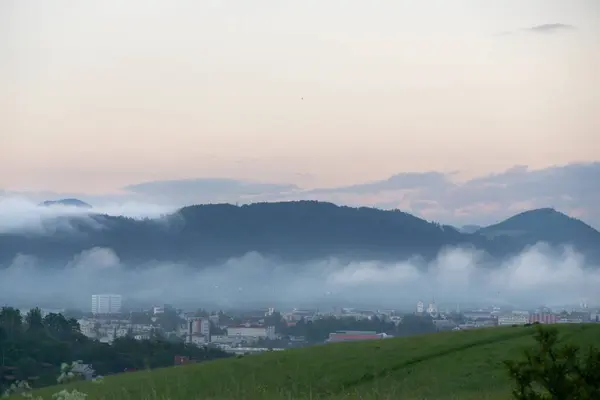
x,y
547,225
469,228
289,231
66,202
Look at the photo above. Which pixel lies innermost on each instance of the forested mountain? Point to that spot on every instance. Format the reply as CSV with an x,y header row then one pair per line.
x,y
66,202
293,231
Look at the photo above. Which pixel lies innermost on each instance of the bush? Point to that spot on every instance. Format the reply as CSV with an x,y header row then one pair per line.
x,y
551,371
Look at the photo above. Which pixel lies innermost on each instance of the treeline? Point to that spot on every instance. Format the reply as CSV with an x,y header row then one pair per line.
x,y
33,347
318,331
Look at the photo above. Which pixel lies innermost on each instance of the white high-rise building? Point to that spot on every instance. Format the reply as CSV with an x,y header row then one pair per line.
x,y
432,308
420,307
106,303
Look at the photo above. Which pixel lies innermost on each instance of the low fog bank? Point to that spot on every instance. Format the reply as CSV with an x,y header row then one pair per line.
x,y
536,277
21,215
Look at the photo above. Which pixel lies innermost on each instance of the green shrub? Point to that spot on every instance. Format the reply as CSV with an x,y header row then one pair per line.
x,y
554,371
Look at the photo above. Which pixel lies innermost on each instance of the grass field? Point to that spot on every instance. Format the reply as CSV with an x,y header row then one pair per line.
x,y
455,365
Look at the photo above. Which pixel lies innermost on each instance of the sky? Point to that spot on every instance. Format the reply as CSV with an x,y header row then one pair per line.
x,y
456,97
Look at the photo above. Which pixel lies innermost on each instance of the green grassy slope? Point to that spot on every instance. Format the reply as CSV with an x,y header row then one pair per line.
x,y
454,365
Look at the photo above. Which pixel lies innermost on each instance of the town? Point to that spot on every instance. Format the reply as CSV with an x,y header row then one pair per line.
x,y
255,331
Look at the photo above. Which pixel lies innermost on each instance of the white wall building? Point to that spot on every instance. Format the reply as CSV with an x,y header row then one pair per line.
x,y
432,308
420,307
106,303
158,310
259,332
515,318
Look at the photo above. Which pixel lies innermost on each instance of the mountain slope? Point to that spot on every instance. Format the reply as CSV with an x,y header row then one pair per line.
x,y
546,225
290,231
454,365
204,234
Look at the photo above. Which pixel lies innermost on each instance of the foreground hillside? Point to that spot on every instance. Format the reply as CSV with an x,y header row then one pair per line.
x,y
292,231
455,365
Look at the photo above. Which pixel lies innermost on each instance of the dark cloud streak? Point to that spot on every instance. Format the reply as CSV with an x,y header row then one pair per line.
x,y
550,28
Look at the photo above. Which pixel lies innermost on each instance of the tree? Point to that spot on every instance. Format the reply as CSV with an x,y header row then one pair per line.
x,y
11,320
277,321
201,313
169,321
53,340
551,371
34,320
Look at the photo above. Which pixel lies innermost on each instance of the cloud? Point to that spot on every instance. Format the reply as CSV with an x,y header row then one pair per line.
x,y
573,189
402,181
550,28
540,29
568,188
538,276
19,214
208,189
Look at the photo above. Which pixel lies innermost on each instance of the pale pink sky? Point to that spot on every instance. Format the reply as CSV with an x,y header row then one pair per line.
x,y
100,94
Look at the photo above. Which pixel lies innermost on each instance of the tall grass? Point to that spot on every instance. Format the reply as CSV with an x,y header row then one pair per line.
x,y
455,365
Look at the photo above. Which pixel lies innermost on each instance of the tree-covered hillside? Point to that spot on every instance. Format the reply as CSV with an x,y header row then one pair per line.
x,y
293,231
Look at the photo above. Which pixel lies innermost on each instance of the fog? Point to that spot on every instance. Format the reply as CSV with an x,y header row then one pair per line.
x,y
536,277
21,215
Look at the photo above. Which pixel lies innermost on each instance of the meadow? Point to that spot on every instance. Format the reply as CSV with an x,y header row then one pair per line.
x,y
453,365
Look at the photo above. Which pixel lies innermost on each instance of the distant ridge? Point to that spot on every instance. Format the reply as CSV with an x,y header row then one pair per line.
x,y
549,226
66,202
205,235
542,222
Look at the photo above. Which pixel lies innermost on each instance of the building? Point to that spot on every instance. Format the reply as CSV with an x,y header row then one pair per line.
x,y
477,315
444,324
198,340
543,318
271,333
84,370
299,314
106,304
515,318
352,336
432,308
420,307
158,310
198,330
247,331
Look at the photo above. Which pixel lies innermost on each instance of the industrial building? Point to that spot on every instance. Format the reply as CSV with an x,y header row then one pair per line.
x,y
198,330
252,331
106,304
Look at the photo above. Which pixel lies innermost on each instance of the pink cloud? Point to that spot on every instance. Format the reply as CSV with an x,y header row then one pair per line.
x,y
477,208
522,205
